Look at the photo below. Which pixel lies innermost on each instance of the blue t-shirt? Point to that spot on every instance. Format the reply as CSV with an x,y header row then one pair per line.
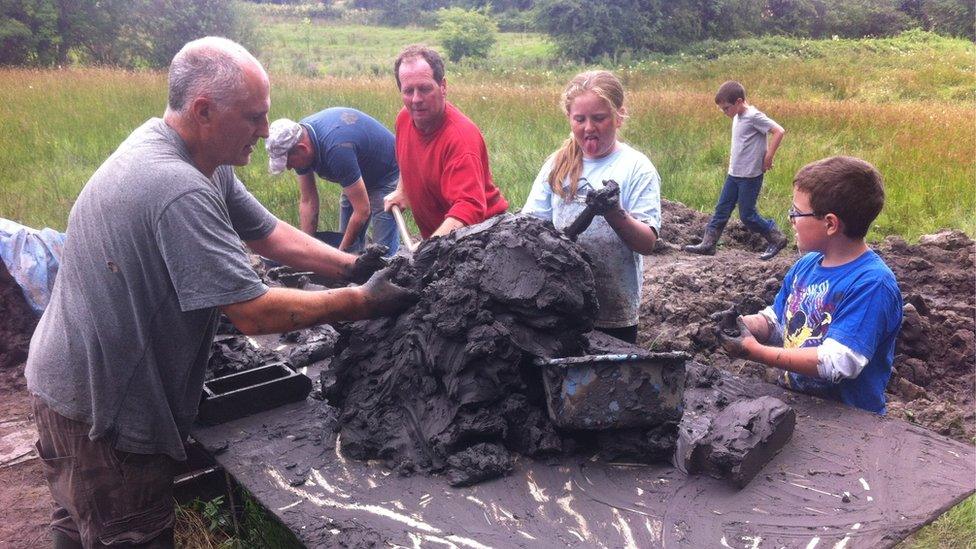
x,y
350,144
857,304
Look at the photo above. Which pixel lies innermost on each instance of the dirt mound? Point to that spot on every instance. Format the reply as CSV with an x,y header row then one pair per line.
x,y
443,386
18,322
933,379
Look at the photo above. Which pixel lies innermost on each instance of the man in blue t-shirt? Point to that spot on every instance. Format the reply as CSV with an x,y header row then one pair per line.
x,y
834,322
347,147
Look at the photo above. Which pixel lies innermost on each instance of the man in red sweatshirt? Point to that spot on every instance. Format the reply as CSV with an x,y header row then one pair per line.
x,y
444,173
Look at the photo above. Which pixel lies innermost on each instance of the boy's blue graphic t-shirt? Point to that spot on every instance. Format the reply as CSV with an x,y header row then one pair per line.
x,y
857,304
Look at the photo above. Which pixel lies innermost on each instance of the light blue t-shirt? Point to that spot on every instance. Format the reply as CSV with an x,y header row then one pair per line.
x,y
617,269
857,304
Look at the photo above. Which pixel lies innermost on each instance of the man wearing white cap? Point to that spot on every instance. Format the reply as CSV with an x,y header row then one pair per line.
x,y
347,147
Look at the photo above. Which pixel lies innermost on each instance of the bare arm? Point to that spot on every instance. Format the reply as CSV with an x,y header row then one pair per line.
x,y
801,361
639,237
359,198
777,133
449,224
308,205
288,245
285,309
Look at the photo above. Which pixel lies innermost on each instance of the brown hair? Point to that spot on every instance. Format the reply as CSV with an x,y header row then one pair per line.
x,y
568,159
413,51
730,92
847,187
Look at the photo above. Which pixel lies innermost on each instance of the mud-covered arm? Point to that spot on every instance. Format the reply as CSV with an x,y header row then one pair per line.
x,y
290,246
741,343
639,237
284,309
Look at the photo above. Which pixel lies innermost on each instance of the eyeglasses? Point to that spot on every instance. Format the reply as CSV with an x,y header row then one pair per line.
x,y
794,213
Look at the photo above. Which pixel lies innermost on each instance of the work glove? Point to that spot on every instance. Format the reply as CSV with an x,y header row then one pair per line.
x,y
370,261
733,340
384,298
605,200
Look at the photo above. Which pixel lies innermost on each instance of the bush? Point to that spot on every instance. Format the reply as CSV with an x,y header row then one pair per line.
x,y
465,33
16,42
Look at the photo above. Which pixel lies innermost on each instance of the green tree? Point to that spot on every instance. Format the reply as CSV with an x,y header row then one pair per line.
x,y
951,17
583,29
466,33
39,44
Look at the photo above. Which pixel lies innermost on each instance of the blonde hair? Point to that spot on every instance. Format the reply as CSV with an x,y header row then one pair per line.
x,y
568,159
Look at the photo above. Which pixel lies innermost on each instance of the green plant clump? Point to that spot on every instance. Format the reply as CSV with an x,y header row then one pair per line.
x,y
466,33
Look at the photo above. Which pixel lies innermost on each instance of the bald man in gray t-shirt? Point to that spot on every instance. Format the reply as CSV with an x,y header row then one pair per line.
x,y
154,252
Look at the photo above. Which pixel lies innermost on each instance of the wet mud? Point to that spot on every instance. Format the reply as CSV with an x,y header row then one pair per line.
x,y
734,441
455,385
17,324
449,384
234,354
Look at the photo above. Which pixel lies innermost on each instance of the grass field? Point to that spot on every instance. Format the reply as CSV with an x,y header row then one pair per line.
x,y
57,126
906,104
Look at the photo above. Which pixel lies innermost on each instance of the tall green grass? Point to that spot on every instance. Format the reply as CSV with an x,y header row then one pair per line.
x,y
56,127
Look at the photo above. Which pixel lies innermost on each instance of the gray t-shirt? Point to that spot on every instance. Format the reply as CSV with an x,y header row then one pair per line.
x,y
749,131
153,248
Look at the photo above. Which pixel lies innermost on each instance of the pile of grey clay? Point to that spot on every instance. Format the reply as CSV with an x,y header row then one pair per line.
x,y
452,384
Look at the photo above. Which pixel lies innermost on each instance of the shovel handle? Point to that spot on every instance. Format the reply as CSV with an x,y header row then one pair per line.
x,y
402,228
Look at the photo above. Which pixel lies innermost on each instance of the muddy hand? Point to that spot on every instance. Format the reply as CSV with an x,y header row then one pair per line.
x,y
597,203
370,261
735,345
383,297
604,200
725,321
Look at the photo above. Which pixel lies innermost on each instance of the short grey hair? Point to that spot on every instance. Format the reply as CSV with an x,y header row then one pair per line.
x,y
211,67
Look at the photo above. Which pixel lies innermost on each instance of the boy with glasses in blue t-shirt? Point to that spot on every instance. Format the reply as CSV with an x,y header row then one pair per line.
x,y
833,324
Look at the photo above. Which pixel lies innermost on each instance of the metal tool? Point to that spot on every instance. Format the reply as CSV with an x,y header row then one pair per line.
x,y
402,228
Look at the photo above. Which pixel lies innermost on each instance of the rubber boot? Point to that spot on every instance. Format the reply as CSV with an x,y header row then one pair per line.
x,y
777,241
707,245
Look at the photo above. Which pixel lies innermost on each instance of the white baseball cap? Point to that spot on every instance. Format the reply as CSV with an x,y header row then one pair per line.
x,y
283,134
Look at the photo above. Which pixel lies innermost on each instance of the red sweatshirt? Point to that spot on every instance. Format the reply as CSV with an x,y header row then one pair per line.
x,y
446,173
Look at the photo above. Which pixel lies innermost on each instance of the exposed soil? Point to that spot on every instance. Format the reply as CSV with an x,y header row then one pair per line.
x,y
933,379
24,497
933,382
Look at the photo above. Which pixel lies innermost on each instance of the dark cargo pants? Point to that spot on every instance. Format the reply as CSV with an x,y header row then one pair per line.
x,y
102,496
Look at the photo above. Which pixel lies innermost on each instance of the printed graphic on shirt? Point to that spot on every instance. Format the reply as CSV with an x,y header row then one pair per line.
x,y
808,315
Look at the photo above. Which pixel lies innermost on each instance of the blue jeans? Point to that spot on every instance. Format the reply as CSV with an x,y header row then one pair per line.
x,y
745,191
384,227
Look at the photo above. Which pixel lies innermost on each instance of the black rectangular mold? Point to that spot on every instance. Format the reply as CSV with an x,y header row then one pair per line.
x,y
256,390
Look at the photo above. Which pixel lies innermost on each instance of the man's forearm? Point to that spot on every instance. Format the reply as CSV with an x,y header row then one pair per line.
x,y
356,223
284,309
288,245
308,217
